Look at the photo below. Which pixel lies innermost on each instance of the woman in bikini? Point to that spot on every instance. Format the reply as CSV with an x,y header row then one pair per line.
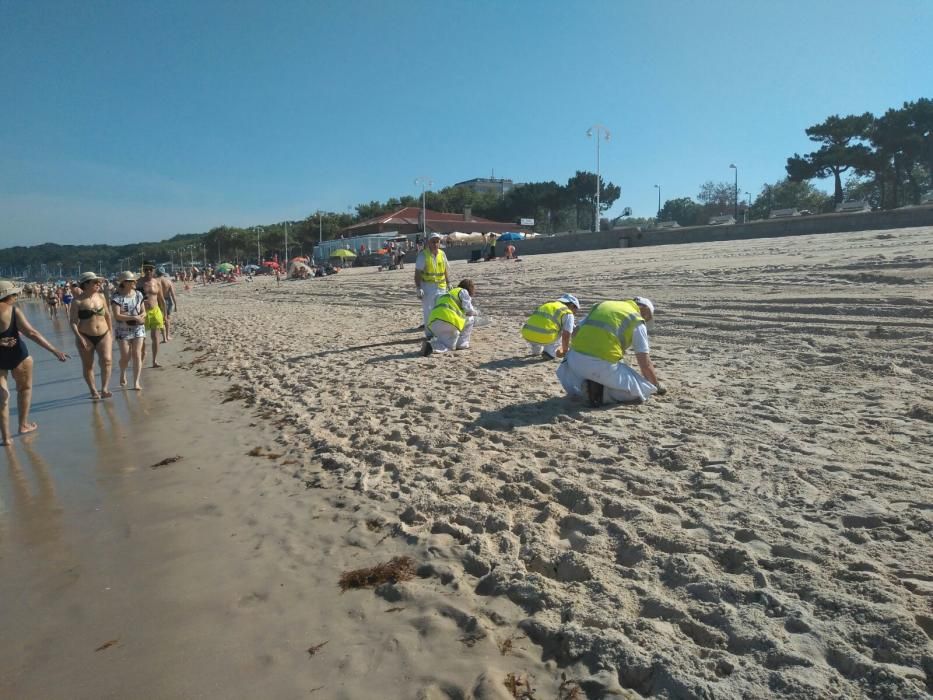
x,y
15,359
90,321
130,316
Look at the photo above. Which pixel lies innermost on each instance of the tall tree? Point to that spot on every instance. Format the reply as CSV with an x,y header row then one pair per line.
x,y
684,211
840,150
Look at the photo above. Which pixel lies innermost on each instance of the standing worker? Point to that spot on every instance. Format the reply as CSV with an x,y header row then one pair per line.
x,y
594,367
451,320
548,330
431,277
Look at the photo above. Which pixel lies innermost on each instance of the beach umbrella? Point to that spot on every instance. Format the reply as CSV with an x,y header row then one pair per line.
x,y
224,268
270,263
510,236
343,253
251,267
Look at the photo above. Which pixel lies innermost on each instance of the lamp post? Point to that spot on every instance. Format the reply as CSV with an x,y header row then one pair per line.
x,y
733,166
423,181
258,249
659,201
286,242
598,129
748,206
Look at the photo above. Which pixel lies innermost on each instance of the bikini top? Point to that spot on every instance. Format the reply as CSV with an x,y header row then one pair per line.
x,y
85,314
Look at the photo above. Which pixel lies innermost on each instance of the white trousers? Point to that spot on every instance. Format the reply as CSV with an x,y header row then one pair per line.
x,y
620,382
431,293
550,349
446,337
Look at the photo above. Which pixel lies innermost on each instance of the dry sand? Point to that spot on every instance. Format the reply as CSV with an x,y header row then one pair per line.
x,y
764,529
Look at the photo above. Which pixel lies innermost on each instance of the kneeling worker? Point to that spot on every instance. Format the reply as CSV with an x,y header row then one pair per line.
x,y
594,367
548,330
451,320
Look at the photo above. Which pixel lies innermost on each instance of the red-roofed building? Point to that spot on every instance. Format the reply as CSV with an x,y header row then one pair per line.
x,y
408,220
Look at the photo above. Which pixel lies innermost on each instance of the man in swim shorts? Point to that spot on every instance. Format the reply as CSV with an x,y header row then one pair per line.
x,y
171,305
154,301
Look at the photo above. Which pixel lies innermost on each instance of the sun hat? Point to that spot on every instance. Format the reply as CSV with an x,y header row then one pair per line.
x,y
160,271
126,276
570,299
87,277
434,235
8,289
646,302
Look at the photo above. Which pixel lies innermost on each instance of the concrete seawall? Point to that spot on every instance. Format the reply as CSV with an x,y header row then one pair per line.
x,y
770,228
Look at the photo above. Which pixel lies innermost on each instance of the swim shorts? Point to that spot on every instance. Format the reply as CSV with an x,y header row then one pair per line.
x,y
169,307
154,320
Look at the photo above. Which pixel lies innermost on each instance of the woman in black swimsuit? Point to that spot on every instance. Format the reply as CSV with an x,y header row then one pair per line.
x,y
91,323
15,359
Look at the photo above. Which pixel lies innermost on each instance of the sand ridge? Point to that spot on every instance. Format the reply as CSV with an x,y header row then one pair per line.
x,y
764,529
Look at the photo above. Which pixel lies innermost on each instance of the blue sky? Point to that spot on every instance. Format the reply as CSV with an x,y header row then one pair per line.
x,y
126,121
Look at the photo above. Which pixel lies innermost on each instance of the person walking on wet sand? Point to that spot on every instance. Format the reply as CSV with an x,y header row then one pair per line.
x,y
451,321
91,323
430,277
549,329
15,359
128,308
594,367
171,303
155,308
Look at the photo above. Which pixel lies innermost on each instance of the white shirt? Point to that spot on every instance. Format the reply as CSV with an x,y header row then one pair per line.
x,y
567,323
640,339
466,303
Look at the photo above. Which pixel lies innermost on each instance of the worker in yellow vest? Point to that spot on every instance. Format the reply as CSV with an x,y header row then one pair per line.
x,y
430,276
451,320
594,367
549,328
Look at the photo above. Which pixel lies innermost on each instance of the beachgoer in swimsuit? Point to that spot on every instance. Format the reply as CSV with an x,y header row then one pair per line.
x,y
155,308
15,359
52,300
171,304
90,321
127,304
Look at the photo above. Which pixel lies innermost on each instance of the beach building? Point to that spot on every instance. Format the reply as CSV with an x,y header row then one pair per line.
x,y
497,186
407,220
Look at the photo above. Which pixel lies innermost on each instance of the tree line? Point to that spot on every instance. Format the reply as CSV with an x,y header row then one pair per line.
x,y
887,161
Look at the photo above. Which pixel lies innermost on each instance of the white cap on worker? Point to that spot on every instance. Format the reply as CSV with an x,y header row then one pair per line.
x,y
646,302
434,235
570,299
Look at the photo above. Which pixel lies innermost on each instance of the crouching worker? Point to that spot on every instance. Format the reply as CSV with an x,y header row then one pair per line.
x,y
548,330
594,368
451,320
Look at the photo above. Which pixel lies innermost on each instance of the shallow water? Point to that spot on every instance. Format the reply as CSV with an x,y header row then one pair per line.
x,y
55,482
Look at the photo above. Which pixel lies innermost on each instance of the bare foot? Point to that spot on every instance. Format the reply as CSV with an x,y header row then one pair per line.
x,y
122,380
6,443
95,396
137,388
27,428
106,393
156,365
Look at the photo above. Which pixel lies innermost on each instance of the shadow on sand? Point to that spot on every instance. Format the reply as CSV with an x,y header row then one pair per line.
x,y
551,410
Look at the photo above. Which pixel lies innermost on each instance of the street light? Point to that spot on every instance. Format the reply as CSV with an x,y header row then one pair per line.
x,y
659,201
733,166
598,128
748,206
286,242
423,181
320,227
259,231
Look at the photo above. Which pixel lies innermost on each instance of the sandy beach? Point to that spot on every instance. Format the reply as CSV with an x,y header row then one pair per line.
x,y
764,529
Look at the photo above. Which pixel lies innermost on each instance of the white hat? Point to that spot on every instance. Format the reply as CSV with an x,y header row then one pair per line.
x,y
434,235
126,276
87,277
646,302
8,289
570,299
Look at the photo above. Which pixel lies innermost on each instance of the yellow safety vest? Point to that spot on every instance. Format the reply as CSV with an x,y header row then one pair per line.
x,y
448,308
435,269
543,326
607,331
